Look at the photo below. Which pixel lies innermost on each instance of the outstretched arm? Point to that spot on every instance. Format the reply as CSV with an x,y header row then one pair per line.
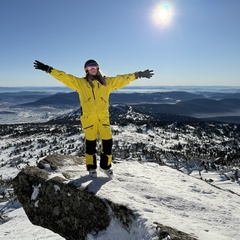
x,y
122,80
67,79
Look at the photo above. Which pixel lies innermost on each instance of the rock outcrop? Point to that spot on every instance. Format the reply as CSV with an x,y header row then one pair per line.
x,y
59,204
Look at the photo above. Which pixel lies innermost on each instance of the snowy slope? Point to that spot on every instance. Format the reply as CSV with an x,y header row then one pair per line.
x,y
156,193
161,194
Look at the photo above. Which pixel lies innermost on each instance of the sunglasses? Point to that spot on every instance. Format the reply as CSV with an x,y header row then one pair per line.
x,y
92,66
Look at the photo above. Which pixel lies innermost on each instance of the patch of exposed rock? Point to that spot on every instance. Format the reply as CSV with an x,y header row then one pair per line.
x,y
59,204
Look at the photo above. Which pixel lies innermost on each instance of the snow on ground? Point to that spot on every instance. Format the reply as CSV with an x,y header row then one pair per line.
x,y
19,227
218,180
156,193
161,194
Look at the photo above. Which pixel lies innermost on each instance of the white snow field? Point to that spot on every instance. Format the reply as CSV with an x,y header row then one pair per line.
x,y
155,193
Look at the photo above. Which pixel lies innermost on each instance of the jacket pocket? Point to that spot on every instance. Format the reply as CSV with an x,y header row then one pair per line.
x,y
85,128
103,100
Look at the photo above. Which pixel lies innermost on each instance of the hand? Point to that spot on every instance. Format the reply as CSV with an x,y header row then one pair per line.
x,y
146,74
41,66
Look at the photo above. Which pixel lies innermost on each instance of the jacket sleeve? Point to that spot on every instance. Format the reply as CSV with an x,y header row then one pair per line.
x,y
67,79
120,80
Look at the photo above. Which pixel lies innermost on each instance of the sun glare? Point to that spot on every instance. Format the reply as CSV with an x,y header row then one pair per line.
x,y
163,14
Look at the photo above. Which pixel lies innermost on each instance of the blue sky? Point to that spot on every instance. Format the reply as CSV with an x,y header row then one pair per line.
x,y
198,45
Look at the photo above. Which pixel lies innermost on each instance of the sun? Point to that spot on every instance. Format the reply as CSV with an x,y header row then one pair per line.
x,y
162,14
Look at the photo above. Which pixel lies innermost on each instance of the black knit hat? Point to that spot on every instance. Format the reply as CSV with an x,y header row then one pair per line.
x,y
89,62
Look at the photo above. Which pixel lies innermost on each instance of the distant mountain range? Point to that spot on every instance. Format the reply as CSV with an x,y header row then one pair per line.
x,y
22,97
125,114
58,100
163,105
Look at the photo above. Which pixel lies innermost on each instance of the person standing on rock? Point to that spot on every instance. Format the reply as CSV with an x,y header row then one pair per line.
x,y
94,90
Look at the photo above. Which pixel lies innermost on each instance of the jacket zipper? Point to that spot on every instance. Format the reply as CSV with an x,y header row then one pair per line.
x,y
94,100
93,94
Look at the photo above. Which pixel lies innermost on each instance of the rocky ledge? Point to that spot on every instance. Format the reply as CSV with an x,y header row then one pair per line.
x,y
53,198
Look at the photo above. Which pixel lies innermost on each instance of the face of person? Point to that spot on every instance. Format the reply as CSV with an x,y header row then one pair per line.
x,y
92,68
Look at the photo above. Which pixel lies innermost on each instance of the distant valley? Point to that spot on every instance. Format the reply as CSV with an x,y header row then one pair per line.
x,y
178,105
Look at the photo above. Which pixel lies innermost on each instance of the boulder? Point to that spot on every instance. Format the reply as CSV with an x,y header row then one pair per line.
x,y
59,203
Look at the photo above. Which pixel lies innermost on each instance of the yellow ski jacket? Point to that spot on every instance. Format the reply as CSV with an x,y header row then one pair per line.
x,y
94,101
